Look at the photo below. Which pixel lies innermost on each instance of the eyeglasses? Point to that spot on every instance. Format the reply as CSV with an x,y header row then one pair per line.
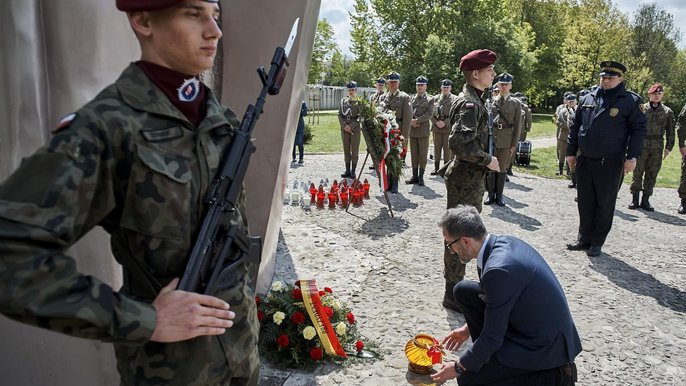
x,y
449,245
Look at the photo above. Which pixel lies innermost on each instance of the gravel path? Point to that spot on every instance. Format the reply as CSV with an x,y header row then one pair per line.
x,y
629,304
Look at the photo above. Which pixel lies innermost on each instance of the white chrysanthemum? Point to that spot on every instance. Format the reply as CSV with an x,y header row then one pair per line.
x,y
340,329
278,317
309,332
277,286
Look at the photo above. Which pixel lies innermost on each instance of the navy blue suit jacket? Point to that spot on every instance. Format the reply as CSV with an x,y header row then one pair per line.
x,y
527,321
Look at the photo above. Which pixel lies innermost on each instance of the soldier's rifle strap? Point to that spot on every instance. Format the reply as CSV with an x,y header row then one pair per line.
x,y
500,115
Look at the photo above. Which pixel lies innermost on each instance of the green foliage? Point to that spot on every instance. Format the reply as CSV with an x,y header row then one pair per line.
x,y
374,123
308,135
324,48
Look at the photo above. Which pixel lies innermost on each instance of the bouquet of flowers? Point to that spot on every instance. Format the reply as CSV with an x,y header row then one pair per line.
x,y
387,141
301,326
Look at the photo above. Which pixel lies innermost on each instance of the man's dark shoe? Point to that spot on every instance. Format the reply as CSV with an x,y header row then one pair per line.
x,y
645,204
682,208
593,251
567,374
434,172
578,246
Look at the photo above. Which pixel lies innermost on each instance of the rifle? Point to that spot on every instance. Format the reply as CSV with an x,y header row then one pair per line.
x,y
222,246
489,104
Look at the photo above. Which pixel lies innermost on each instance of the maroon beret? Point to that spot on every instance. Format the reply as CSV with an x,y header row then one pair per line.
x,y
657,87
477,60
149,5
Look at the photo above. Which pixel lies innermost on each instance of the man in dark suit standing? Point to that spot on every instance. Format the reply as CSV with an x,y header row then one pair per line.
x,y
608,131
517,314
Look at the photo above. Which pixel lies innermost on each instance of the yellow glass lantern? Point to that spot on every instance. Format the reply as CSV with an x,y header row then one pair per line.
x,y
423,351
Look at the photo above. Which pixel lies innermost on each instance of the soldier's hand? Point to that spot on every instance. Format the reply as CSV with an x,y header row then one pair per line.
x,y
571,161
494,165
414,123
629,165
184,315
440,124
347,129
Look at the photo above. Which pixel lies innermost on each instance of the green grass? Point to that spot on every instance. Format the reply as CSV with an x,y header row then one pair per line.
x,y
326,134
544,164
542,126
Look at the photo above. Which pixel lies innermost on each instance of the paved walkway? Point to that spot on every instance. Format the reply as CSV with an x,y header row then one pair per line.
x,y
629,304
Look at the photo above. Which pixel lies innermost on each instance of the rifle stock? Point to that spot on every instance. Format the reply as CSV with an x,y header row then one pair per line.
x,y
222,246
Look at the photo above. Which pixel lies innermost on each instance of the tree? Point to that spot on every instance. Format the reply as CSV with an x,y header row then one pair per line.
x,y
324,48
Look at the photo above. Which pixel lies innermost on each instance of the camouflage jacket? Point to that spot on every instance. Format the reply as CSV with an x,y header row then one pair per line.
x,y
660,123
442,105
349,114
132,163
422,110
469,128
399,103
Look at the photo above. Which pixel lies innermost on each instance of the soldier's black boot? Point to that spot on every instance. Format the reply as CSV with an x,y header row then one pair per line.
x,y
420,180
509,171
352,171
645,204
560,167
448,301
347,170
414,178
500,186
490,184
634,201
436,167
572,184
394,187
682,208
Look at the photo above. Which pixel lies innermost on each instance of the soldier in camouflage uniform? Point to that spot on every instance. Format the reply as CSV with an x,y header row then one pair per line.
x,y
681,133
465,173
507,124
660,121
422,110
348,117
137,160
440,126
377,97
399,103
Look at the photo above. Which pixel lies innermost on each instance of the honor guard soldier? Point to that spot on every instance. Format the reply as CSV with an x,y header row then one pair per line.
x,y
398,102
608,130
660,124
527,118
681,134
377,97
440,125
507,124
348,117
564,120
422,110
137,160
465,173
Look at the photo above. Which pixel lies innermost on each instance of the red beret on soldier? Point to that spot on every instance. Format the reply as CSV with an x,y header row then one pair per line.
x,y
657,87
477,60
149,5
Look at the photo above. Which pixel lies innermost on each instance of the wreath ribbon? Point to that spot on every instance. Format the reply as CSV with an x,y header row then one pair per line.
x,y
383,181
321,323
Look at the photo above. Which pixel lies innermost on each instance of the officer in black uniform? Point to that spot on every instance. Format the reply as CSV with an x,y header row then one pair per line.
x,y
608,131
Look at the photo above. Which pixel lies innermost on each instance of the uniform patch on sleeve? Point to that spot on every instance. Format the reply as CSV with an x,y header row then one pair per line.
x,y
469,105
64,122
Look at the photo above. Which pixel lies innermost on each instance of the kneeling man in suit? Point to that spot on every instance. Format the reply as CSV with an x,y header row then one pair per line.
x,y
517,314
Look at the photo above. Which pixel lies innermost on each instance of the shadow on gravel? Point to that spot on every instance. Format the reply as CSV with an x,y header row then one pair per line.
x,y
516,186
383,225
630,278
626,216
666,218
285,268
419,379
424,192
399,203
506,214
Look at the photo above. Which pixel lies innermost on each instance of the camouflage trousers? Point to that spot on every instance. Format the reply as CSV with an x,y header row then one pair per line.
x,y
228,359
465,184
682,184
647,167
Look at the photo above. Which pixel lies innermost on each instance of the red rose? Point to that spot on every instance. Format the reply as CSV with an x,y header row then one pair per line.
x,y
258,301
282,340
316,354
297,317
297,294
393,142
328,311
351,318
359,345
329,290
385,134
260,315
322,293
